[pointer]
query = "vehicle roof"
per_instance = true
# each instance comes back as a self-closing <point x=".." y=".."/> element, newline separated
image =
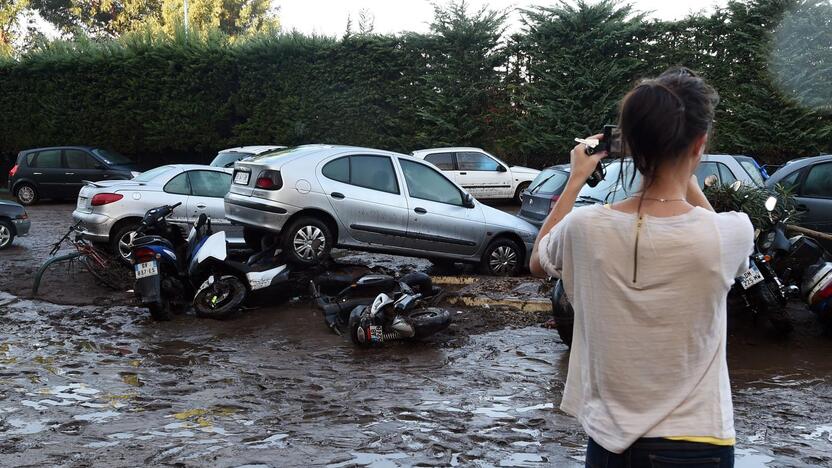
<point x="796" y="164"/>
<point x="82" y="147"/>
<point x="449" y="148"/>
<point x="319" y="150"/>
<point x="254" y="149"/>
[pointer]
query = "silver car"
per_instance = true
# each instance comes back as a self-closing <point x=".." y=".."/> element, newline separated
<point x="321" y="196"/>
<point x="111" y="210"/>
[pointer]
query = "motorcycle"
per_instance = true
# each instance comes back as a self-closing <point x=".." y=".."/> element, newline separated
<point x="396" y="312"/>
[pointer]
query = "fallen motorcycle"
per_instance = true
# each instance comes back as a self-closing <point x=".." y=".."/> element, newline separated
<point x="396" y="310"/>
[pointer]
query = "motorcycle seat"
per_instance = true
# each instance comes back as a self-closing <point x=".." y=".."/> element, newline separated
<point x="148" y="240"/>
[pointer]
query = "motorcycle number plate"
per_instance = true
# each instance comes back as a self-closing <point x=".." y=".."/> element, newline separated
<point x="146" y="269"/>
<point x="376" y="334"/>
<point x="241" y="178"/>
<point x="751" y="277"/>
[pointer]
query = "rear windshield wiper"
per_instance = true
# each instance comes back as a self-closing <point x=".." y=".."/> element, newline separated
<point x="534" y="189"/>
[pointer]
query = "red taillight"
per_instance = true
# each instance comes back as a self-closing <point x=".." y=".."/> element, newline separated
<point x="105" y="198"/>
<point x="554" y="200"/>
<point x="269" y="180"/>
<point x="143" y="254"/>
<point x="13" y="171"/>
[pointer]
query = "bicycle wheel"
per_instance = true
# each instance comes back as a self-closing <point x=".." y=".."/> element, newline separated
<point x="105" y="272"/>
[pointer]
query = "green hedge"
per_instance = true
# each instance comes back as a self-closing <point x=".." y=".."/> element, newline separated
<point x="525" y="98"/>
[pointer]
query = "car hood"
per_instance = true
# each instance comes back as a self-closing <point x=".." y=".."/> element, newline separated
<point x="524" y="170"/>
<point x="497" y="218"/>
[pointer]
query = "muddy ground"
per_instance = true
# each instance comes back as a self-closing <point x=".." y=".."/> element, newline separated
<point x="87" y="379"/>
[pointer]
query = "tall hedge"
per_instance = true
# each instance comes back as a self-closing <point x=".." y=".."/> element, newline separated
<point x="525" y="97"/>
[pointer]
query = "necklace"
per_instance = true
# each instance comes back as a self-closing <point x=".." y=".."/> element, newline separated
<point x="661" y="200"/>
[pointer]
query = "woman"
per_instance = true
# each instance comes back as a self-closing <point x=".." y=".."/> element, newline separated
<point x="648" y="279"/>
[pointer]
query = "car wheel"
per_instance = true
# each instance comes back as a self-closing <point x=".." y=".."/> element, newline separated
<point x="26" y="194"/>
<point x="307" y="241"/>
<point x="518" y="195"/>
<point x="502" y="257"/>
<point x="253" y="238"/>
<point x="120" y="243"/>
<point x="6" y="234"/>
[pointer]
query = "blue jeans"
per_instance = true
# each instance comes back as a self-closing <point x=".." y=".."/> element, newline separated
<point x="661" y="453"/>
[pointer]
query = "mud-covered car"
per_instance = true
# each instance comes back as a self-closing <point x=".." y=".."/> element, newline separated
<point x="14" y="222"/>
<point x="315" y="197"/>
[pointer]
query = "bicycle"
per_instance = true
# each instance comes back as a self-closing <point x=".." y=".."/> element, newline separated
<point x="105" y="269"/>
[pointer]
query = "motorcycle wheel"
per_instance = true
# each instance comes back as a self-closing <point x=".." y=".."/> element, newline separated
<point x="428" y="321"/>
<point x="221" y="299"/>
<point x="563" y="314"/>
<point x="772" y="309"/>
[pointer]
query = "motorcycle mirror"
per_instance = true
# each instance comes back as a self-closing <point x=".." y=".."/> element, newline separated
<point x="736" y="185"/>
<point x="771" y="203"/>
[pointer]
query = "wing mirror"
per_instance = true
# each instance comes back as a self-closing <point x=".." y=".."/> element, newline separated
<point x="736" y="186"/>
<point x="467" y="201"/>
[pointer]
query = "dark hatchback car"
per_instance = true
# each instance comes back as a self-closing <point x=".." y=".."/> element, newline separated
<point x="14" y="222"/>
<point x="59" y="172"/>
<point x="810" y="180"/>
<point x="542" y="193"/>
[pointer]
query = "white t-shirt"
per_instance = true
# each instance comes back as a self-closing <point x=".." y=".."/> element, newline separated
<point x="648" y="347"/>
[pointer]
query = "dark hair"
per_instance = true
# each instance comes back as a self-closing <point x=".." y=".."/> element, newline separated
<point x="661" y="117"/>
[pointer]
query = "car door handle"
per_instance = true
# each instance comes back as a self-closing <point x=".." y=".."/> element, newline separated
<point x="463" y="173"/>
<point x="37" y="173"/>
<point x="69" y="173"/>
<point x="338" y="195"/>
<point x="420" y="210"/>
<point x="201" y="206"/>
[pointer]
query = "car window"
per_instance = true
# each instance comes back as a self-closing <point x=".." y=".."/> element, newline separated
<point x="725" y="174"/>
<point x="818" y="182"/>
<point x="548" y="181"/>
<point x="111" y="157"/>
<point x="78" y="159"/>
<point x="373" y="172"/>
<point x="753" y="171"/>
<point x="30" y="158"/>
<point x="444" y="161"/>
<point x="427" y="184"/>
<point x="338" y="170"/>
<point x="469" y="161"/>
<point x="615" y="186"/>
<point x="228" y="158"/>
<point x="179" y="185"/>
<point x="147" y="176"/>
<point x="48" y="158"/>
<point x="209" y="183"/>
<point x="705" y="170"/>
<point x="790" y="182"/>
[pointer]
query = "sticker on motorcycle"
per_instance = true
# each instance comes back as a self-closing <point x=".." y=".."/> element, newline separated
<point x="146" y="269"/>
<point x="751" y="277"/>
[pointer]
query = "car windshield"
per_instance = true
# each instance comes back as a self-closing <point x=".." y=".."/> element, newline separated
<point x="549" y="180"/>
<point x="228" y="158"/>
<point x="611" y="189"/>
<point x="752" y="169"/>
<point x="152" y="174"/>
<point x="111" y="157"/>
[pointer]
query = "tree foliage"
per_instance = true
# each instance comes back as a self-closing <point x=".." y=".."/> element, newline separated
<point x="160" y="95"/>
<point x="10" y="12"/>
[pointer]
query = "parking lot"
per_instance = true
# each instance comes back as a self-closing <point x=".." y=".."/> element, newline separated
<point x="83" y="367"/>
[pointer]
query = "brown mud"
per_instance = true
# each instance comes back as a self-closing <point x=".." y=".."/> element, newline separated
<point x="87" y="379"/>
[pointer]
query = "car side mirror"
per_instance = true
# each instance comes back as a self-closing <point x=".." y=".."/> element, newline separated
<point x="501" y="168"/>
<point x="468" y="201"/>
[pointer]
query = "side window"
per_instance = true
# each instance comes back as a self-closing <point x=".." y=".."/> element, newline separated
<point x="790" y="181"/>
<point x="179" y="185"/>
<point x="818" y="183"/>
<point x="726" y="175"/>
<point x="48" y="159"/>
<point x="208" y="183"/>
<point x="444" y="161"/>
<point x="77" y="159"/>
<point x="30" y="158"/>
<point x="373" y="172"/>
<point x="469" y="161"/>
<point x="425" y="183"/>
<point x="338" y="170"/>
<point x="705" y="170"/>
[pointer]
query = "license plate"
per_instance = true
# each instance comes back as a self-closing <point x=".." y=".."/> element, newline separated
<point x="146" y="269"/>
<point x="751" y="277"/>
<point x="241" y="178"/>
<point x="82" y="202"/>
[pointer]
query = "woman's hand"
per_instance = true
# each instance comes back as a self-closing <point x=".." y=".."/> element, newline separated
<point x="695" y="196"/>
<point x="582" y="164"/>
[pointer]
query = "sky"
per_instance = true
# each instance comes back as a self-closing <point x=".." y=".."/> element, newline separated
<point x="329" y="17"/>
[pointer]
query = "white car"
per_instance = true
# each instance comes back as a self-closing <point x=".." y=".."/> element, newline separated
<point x="481" y="174"/>
<point x="110" y="210"/>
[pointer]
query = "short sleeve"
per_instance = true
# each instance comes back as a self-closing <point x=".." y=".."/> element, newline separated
<point x="550" y="249"/>
<point x="737" y="236"/>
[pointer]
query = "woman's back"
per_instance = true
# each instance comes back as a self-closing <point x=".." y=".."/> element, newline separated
<point x="648" y="352"/>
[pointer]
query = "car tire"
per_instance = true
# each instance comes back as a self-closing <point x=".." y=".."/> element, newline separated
<point x="253" y="238"/>
<point x="6" y="234"/>
<point x="518" y="194"/>
<point x="118" y="241"/>
<point x="299" y="239"/>
<point x="502" y="257"/>
<point x="26" y="194"/>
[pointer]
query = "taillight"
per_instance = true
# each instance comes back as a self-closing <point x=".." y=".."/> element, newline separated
<point x="143" y="254"/>
<point x="13" y="171"/>
<point x="554" y="200"/>
<point x="25" y="215"/>
<point x="105" y="198"/>
<point x="269" y="180"/>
